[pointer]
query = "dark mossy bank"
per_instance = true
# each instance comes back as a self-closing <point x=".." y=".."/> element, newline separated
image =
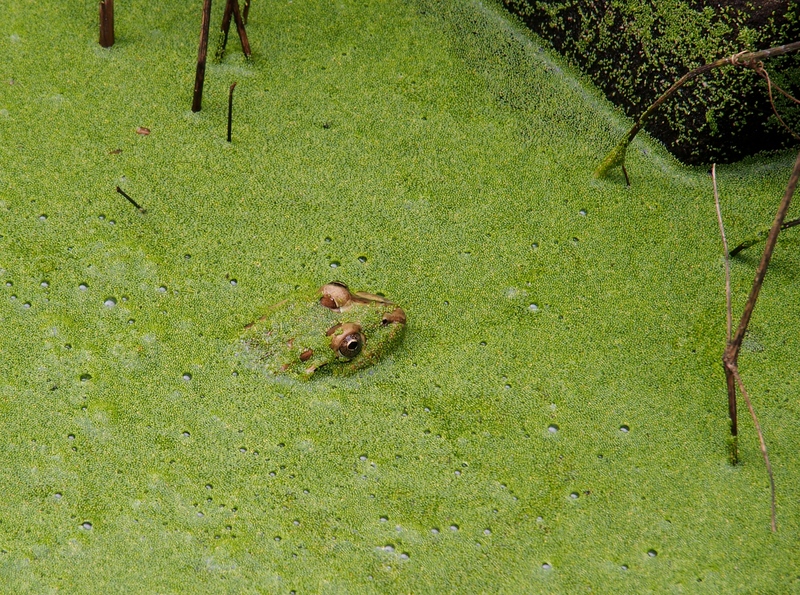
<point x="634" y="50"/>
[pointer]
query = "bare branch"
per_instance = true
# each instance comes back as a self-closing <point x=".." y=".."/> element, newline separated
<point x="616" y="156"/>
<point x="724" y="253"/>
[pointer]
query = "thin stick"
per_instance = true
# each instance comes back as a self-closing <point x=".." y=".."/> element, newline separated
<point x="733" y="349"/>
<point x="197" y="101"/>
<point x="225" y="28"/>
<point x="230" y="109"/>
<point x="245" y="11"/>
<point x="748" y="59"/>
<point x="106" y="23"/>
<point x="240" y="28"/>
<point x="773" y="522"/>
<point x="141" y="209"/>
<point x="729" y="380"/>
<point x="725" y="254"/>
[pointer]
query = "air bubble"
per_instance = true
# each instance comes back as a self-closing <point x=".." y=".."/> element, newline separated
<point x="26" y="305"/>
<point x="187" y="256"/>
<point x="71" y="437"/>
<point x="9" y="284"/>
<point x="131" y="321"/>
<point x="187" y="377"/>
<point x="335" y="264"/>
<point x="209" y="486"/>
<point x="362" y="458"/>
<point x="388" y="548"/>
<point x="101" y="217"/>
<point x="384" y="519"/>
<point x="110" y="302"/>
<point x="624" y="567"/>
<point x="328" y="240"/>
<point x="435" y="531"/>
<point x="624" y="428"/>
<point x="652" y="553"/>
<point x="552" y="428"/>
<point x="404" y="556"/>
<point x="575" y="240"/>
<point x="242" y="449"/>
<point x="86" y="377"/>
<point x="277" y="538"/>
<point x="457" y="473"/>
<point x="43" y="217"/>
<point x="533" y="307"/>
<point x="574" y="495"/>
<point x="454" y="527"/>
<point x="45" y="284"/>
<point x="362" y="259"/>
<point x="482" y="343"/>
<point x="87" y="525"/>
<point x="83" y="287"/>
<point x="186" y="434"/>
<point x="162" y="289"/>
<point x="296" y="523"/>
<point x="234" y="282"/>
<point x="487" y="531"/>
<point x="112" y="222"/>
<point x="546" y="566"/>
<point x="535" y="245"/>
<point x="582" y="212"/>
<point x="57" y="496"/>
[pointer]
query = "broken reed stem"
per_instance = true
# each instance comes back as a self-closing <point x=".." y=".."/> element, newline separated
<point x="245" y="11"/>
<point x="763" y="445"/>
<point x="140" y="208"/>
<point x="202" y="51"/>
<point x="230" y="109"/>
<point x="106" y="23"/>
<point x="748" y="59"/>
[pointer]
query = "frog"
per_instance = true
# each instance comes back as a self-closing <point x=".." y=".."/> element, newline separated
<point x="330" y="330"/>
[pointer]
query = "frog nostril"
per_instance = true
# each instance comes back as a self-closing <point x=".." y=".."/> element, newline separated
<point x="397" y="315"/>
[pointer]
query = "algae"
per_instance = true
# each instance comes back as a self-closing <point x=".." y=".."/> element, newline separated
<point x="555" y="419"/>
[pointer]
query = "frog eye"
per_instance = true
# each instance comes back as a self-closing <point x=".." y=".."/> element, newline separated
<point x="335" y="296"/>
<point x="351" y="346"/>
<point x="347" y="340"/>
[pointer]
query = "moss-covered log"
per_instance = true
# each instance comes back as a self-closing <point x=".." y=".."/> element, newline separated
<point x="635" y="50"/>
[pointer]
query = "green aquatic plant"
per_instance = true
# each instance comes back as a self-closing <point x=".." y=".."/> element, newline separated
<point x="553" y="420"/>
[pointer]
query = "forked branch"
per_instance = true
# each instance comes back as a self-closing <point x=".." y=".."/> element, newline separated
<point x="616" y="157"/>
<point x="730" y="358"/>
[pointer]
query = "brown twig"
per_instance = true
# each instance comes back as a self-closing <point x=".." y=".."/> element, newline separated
<point x="230" y="109"/>
<point x="725" y="254"/>
<point x="139" y="207"/>
<point x="616" y="156"/>
<point x="106" y="23"/>
<point x="245" y="11"/>
<point x="197" y="101"/>
<point x="232" y="10"/>
<point x="731" y="356"/>
<point x="240" y="28"/>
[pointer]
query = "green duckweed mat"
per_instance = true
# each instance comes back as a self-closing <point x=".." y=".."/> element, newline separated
<point x="555" y="420"/>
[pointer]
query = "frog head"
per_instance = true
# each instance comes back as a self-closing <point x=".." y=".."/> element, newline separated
<point x="333" y="330"/>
